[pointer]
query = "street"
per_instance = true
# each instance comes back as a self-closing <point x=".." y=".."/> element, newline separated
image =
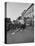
<point x="24" y="36"/>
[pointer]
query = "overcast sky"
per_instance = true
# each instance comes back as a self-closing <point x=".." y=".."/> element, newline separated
<point x="14" y="10"/>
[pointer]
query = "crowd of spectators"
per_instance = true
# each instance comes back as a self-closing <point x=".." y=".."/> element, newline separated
<point x="10" y="26"/>
<point x="13" y="25"/>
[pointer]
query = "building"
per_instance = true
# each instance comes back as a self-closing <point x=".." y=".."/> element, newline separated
<point x="29" y="15"/>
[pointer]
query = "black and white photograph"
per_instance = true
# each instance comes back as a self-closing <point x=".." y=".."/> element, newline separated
<point x="19" y="22"/>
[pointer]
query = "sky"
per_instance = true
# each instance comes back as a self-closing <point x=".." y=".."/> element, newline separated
<point x="14" y="10"/>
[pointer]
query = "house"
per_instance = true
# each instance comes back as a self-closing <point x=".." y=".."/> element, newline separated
<point x="29" y="15"/>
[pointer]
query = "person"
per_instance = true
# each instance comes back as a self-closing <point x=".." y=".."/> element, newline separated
<point x="23" y="26"/>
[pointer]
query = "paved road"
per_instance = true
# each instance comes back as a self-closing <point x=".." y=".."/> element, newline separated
<point x="26" y="35"/>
